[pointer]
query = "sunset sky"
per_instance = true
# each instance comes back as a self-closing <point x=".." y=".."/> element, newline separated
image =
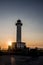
<point x="31" y="14"/>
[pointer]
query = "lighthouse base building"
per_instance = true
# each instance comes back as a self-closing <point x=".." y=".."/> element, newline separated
<point x="20" y="45"/>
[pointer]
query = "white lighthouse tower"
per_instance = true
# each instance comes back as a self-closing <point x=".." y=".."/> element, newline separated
<point x="19" y="44"/>
<point x="18" y="24"/>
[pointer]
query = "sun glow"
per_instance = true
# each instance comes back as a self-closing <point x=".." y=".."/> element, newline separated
<point x="9" y="43"/>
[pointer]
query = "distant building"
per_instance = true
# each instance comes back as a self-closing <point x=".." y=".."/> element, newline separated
<point x="0" y="47"/>
<point x="9" y="48"/>
<point x="18" y="44"/>
<point x="13" y="45"/>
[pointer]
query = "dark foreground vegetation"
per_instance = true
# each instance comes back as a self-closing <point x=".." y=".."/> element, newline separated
<point x="24" y="52"/>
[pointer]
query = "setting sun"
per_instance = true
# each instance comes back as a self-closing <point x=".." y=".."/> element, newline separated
<point x="9" y="43"/>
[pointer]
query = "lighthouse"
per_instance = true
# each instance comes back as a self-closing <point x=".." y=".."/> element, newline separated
<point x="18" y="33"/>
<point x="19" y="44"/>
